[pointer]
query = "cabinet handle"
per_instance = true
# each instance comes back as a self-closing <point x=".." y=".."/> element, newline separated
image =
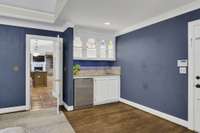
<point x="198" y="86"/>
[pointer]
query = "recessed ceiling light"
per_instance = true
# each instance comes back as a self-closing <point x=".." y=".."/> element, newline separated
<point x="107" y="23"/>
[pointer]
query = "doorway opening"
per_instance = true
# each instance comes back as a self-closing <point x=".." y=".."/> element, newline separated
<point x="43" y="72"/>
<point x="41" y="80"/>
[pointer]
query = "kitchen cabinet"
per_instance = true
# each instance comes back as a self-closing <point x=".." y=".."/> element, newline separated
<point x="91" y="44"/>
<point x="106" y="89"/>
<point x="39" y="79"/>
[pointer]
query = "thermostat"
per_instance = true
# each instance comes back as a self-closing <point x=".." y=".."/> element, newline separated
<point x="182" y="63"/>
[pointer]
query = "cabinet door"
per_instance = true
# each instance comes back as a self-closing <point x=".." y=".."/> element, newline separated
<point x="106" y="90"/>
<point x="111" y="50"/>
<point x="100" y="91"/>
<point x="113" y="89"/>
<point x="78" y="48"/>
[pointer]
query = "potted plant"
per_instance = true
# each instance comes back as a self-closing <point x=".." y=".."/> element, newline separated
<point x="76" y="69"/>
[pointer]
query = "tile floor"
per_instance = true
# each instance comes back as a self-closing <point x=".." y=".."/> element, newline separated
<point x="42" y="98"/>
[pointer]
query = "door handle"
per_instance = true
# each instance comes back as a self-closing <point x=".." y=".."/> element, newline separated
<point x="197" y="77"/>
<point x="197" y="85"/>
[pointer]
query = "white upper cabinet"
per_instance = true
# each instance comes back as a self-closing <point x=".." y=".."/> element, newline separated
<point x="78" y="47"/>
<point x="91" y="48"/>
<point x="90" y="44"/>
<point x="103" y="49"/>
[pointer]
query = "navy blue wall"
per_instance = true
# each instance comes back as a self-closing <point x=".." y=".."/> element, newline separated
<point x="148" y="58"/>
<point x="12" y="53"/>
<point x="68" y="63"/>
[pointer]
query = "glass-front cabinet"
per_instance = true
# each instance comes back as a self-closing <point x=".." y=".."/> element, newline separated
<point x="91" y="48"/>
<point x="93" y="44"/>
<point x="78" y="47"/>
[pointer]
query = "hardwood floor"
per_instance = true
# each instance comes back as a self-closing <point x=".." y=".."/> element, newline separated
<point x="119" y="118"/>
<point x="42" y="98"/>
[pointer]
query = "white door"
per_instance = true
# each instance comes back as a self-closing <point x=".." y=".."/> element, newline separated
<point x="196" y="36"/>
<point x="57" y="71"/>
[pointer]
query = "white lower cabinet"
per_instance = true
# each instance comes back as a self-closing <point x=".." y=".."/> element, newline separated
<point x="106" y="90"/>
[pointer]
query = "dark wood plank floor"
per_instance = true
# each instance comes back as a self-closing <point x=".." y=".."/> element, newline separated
<point x="119" y="118"/>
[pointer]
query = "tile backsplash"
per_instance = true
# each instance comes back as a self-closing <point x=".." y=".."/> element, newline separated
<point x="98" y="71"/>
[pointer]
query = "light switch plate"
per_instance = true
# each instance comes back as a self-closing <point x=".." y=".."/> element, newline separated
<point x="182" y="70"/>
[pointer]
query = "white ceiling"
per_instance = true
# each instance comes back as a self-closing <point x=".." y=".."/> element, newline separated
<point x="32" y="10"/>
<point x="93" y="13"/>
<point x="120" y="13"/>
<point x="39" y="5"/>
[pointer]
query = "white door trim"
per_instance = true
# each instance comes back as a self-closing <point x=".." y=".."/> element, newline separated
<point x="191" y="97"/>
<point x="28" y="61"/>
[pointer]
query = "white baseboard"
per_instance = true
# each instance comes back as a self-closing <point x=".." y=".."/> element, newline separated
<point x="67" y="107"/>
<point x="156" y="113"/>
<point x="12" y="109"/>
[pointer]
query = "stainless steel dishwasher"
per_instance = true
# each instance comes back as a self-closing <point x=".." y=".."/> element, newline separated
<point x="83" y="92"/>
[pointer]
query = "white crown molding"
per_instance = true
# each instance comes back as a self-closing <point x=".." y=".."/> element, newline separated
<point x="29" y="24"/>
<point x="27" y="14"/>
<point x="179" y="11"/>
<point x="21" y="17"/>
<point x="59" y="7"/>
<point x="35" y="25"/>
<point x="33" y="15"/>
<point x="67" y="25"/>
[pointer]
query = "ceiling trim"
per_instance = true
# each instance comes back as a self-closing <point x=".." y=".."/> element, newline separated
<point x="33" y="15"/>
<point x="22" y="13"/>
<point x="59" y="7"/>
<point x="35" y="25"/>
<point x="28" y="24"/>
<point x="173" y="13"/>
<point x="21" y="17"/>
<point x="67" y="25"/>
